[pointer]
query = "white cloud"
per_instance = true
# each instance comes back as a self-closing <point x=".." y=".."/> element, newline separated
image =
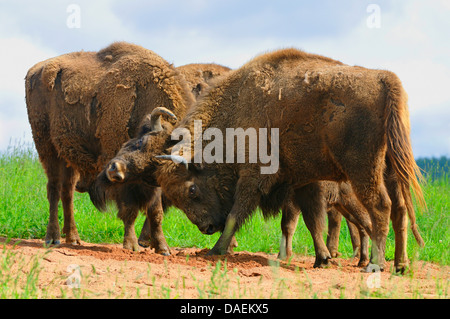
<point x="20" y="55"/>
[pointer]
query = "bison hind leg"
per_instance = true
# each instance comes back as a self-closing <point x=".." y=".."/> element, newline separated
<point x="52" y="166"/>
<point x="70" y="177"/>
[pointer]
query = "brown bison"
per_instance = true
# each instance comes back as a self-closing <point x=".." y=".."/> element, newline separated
<point x="198" y="77"/>
<point x="327" y="121"/>
<point x="122" y="169"/>
<point x="82" y="107"/>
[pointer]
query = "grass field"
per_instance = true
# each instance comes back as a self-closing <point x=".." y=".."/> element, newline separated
<point x="24" y="214"/>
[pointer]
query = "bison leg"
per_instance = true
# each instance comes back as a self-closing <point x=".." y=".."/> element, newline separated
<point x="355" y="238"/>
<point x="144" y="237"/>
<point x="334" y="227"/>
<point x="312" y="204"/>
<point x="378" y="204"/>
<point x="358" y="221"/>
<point x="53" y="235"/>
<point x="399" y="224"/>
<point x="152" y="233"/>
<point x="246" y="199"/>
<point x="232" y="246"/>
<point x="128" y="216"/>
<point x="68" y="187"/>
<point x="364" y="248"/>
<point x="289" y="220"/>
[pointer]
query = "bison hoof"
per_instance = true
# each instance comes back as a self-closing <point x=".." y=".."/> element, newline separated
<point x="363" y="263"/>
<point x="162" y="250"/>
<point x="371" y="268"/>
<point x="76" y="241"/>
<point x="49" y="242"/>
<point x="144" y="243"/>
<point x="400" y="269"/>
<point x="335" y="254"/>
<point x="321" y="262"/>
<point x="216" y="252"/>
<point x="131" y="246"/>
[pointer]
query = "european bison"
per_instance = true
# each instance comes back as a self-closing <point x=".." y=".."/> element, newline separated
<point x="122" y="169"/>
<point x="335" y="122"/>
<point x="136" y="194"/>
<point x="82" y="107"/>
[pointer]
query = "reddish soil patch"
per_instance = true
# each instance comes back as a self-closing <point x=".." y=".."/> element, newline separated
<point x="109" y="271"/>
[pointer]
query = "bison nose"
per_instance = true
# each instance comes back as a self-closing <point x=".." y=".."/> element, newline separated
<point x="116" y="171"/>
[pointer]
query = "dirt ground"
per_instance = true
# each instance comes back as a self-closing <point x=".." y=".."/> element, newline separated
<point x="109" y="271"/>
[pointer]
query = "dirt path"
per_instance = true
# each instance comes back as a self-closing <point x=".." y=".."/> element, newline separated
<point x="108" y="271"/>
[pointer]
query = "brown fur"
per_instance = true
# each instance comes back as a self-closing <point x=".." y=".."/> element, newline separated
<point x="138" y="189"/>
<point x="336" y="123"/>
<point x="83" y="106"/>
<point x="200" y="76"/>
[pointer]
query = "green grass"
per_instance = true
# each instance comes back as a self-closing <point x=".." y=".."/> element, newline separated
<point x="24" y="214"/>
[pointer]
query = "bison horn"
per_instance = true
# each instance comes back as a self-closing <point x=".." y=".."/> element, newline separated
<point x="155" y="118"/>
<point x="177" y="159"/>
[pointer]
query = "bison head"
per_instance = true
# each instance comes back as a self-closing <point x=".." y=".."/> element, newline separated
<point x="204" y="193"/>
<point x="134" y="163"/>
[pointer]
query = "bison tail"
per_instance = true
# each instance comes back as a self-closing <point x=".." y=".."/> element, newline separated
<point x="412" y="217"/>
<point x="399" y="147"/>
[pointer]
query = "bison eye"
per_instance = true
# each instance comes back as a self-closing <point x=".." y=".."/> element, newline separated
<point x="138" y="145"/>
<point x="192" y="191"/>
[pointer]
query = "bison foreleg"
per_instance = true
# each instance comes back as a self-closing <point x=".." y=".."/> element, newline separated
<point x="334" y="227"/>
<point x="221" y="247"/>
<point x="128" y="216"/>
<point x="289" y="220"/>
<point x="152" y="234"/>
<point x="246" y="199"/>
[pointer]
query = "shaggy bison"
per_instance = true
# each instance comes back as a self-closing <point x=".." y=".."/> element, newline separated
<point x="122" y="169"/>
<point x="136" y="192"/>
<point x="327" y="121"/>
<point x="82" y="107"/>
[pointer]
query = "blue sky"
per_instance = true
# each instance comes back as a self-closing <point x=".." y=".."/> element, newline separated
<point x="412" y="40"/>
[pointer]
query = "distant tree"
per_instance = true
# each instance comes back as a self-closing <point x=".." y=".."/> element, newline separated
<point x="434" y="168"/>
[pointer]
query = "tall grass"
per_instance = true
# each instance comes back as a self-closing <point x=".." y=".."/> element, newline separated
<point x="24" y="214"/>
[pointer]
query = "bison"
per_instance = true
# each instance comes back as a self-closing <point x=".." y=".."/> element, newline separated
<point x="123" y="170"/>
<point x="335" y="122"/>
<point x="82" y="107"/>
<point x="133" y="194"/>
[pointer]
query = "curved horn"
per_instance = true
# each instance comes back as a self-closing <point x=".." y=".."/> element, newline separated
<point x="177" y="159"/>
<point x="155" y="118"/>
